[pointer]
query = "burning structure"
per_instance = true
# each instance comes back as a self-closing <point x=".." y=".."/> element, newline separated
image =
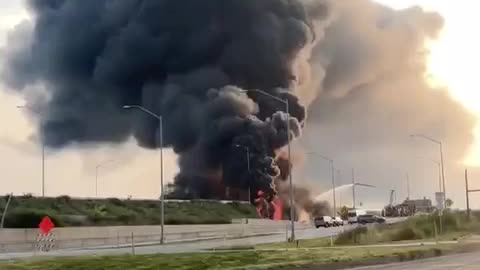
<point x="198" y="64"/>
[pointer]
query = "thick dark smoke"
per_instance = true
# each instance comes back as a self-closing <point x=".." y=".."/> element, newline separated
<point x="193" y="62"/>
<point x="359" y="66"/>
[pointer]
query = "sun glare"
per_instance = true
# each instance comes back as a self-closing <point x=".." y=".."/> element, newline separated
<point x="453" y="61"/>
<point x="454" y="56"/>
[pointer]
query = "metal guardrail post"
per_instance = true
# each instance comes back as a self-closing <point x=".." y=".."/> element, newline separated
<point x="133" y="244"/>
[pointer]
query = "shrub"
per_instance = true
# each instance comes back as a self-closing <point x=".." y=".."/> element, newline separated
<point x="351" y="237"/>
<point x="116" y="202"/>
<point x="405" y="234"/>
<point x="437" y="252"/>
<point x="127" y="219"/>
<point x="63" y="199"/>
<point x="28" y="219"/>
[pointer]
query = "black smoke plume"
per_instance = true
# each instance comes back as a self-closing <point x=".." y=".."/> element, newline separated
<point x="194" y="62"/>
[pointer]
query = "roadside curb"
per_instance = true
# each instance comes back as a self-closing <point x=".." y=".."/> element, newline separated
<point x="173" y="242"/>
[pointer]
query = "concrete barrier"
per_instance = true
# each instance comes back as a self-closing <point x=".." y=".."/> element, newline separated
<point x="22" y="240"/>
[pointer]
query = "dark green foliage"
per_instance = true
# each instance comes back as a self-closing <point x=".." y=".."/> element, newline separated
<point x="26" y="218"/>
<point x="405" y="234"/>
<point x="351" y="237"/>
<point x="106" y="212"/>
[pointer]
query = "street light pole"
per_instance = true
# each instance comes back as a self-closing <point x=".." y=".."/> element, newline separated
<point x="292" y="203"/>
<point x="43" y="155"/>
<point x="290" y="177"/>
<point x="439" y="171"/>
<point x="443" y="176"/>
<point x="248" y="169"/>
<point x="441" y="163"/>
<point x="43" y="169"/>
<point x="332" y="168"/>
<point x="162" y="193"/>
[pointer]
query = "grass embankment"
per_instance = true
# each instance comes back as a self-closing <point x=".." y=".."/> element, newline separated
<point x="27" y="211"/>
<point x="418" y="228"/>
<point x="311" y="253"/>
<point x="454" y="225"/>
<point x="291" y="259"/>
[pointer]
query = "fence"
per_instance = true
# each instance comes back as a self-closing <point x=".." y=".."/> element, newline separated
<point x="24" y="240"/>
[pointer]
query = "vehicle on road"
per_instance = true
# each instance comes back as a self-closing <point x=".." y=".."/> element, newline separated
<point x="354" y="213"/>
<point x="323" y="221"/>
<point x="338" y="221"/>
<point x="365" y="219"/>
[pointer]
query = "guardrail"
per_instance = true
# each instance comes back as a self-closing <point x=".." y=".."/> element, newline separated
<point x="24" y="240"/>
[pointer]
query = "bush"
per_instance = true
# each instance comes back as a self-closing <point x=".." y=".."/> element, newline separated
<point x="64" y="199"/>
<point x="127" y="219"/>
<point x="405" y="234"/>
<point x="116" y="202"/>
<point x="28" y="219"/>
<point x="351" y="237"/>
<point x="123" y="212"/>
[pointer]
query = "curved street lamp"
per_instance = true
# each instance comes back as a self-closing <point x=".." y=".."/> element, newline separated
<point x="160" y="134"/>
<point x="332" y="175"/>
<point x="441" y="161"/>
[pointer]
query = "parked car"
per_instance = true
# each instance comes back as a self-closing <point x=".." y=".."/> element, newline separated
<point x="338" y="221"/>
<point x="365" y="219"/>
<point x="323" y="221"/>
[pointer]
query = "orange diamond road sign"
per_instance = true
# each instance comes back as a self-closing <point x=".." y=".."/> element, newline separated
<point x="46" y="225"/>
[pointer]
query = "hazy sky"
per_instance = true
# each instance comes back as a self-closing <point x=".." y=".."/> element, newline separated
<point x="136" y="171"/>
<point x="454" y="57"/>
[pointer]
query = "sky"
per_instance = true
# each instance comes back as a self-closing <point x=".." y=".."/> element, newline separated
<point x="135" y="171"/>
<point x="456" y="47"/>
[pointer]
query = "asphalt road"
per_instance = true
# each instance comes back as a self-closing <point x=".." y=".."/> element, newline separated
<point x="180" y="247"/>
<point x="466" y="261"/>
<point x="190" y="247"/>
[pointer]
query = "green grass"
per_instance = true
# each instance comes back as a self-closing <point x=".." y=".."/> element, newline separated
<point x="419" y="228"/>
<point x="229" y="260"/>
<point x="26" y="212"/>
<point x="454" y="225"/>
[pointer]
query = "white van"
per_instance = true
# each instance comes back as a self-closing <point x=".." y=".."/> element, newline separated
<point x="323" y="221"/>
<point x="354" y="213"/>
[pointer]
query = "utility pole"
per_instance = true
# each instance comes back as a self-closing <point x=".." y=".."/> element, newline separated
<point x="467" y="195"/>
<point x="467" y="192"/>
<point x="443" y="177"/>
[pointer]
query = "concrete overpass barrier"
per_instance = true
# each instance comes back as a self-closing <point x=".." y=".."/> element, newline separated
<point x="23" y="240"/>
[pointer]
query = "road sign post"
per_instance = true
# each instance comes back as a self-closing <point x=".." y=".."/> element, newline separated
<point x="45" y="239"/>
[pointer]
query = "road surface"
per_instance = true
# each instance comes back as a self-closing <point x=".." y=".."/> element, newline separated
<point x="466" y="261"/>
<point x="180" y="247"/>
<point x="198" y="246"/>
